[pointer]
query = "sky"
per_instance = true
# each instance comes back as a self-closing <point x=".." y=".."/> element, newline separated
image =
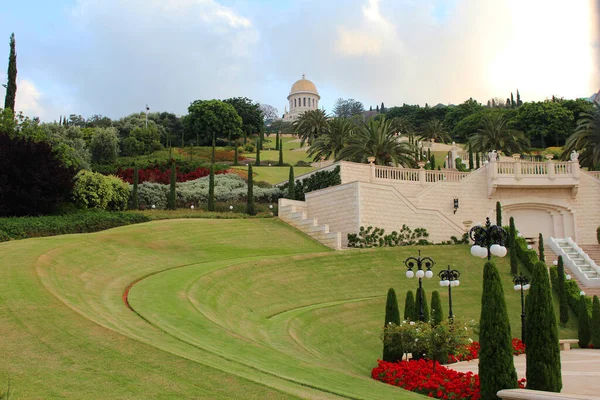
<point x="112" y="57"/>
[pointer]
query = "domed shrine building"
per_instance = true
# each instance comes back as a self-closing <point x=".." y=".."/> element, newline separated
<point x="303" y="97"/>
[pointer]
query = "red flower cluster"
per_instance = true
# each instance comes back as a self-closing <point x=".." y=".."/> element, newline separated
<point x="164" y="177"/>
<point x="419" y="376"/>
<point x="472" y="351"/>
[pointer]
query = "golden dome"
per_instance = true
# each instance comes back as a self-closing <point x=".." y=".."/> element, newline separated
<point x="304" y="85"/>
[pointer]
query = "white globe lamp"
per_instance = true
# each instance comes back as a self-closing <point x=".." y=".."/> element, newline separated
<point x="410" y="274"/>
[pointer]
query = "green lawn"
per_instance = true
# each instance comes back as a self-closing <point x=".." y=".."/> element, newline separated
<point x="220" y="309"/>
<point x="275" y="174"/>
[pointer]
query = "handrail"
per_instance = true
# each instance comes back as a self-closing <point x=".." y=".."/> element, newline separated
<point x="397" y="174"/>
<point x="559" y="251"/>
<point x="595" y="174"/>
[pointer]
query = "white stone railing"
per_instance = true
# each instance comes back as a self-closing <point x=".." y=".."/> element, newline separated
<point x="397" y="174"/>
<point x="525" y="394"/>
<point x="533" y="168"/>
<point x="421" y="175"/>
<point x="449" y="176"/>
<point x="595" y="174"/>
<point x="573" y="267"/>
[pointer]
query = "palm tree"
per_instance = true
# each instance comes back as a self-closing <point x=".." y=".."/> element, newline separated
<point x="310" y="125"/>
<point x="435" y="129"/>
<point x="335" y="138"/>
<point x="375" y="138"/>
<point x="586" y="139"/>
<point x="495" y="134"/>
<point x="404" y="127"/>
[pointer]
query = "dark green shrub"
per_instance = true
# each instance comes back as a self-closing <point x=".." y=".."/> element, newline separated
<point x="172" y="199"/>
<point x="94" y="190"/>
<point x="583" y="333"/>
<point x="375" y="237"/>
<point x="572" y="291"/>
<point x="560" y="289"/>
<point x="421" y="295"/>
<point x="595" y="325"/>
<point x="392" y="316"/>
<point x="498" y="213"/>
<point x="235" y="156"/>
<point x="211" y="187"/>
<point x="409" y="307"/>
<point x="512" y="234"/>
<point x="471" y="163"/>
<point x="542" y="256"/>
<point x="436" y="308"/>
<point x="543" y="351"/>
<point x="277" y="146"/>
<point x="135" y="204"/>
<point x="250" y="209"/>
<point x="302" y="163"/>
<point x="291" y="185"/>
<point x="459" y="165"/>
<point x="496" y="367"/>
<point x="317" y="181"/>
<point x="258" y="147"/>
<point x="280" y="156"/>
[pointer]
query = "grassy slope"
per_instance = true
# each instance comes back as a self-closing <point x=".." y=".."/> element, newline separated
<point x="235" y="321"/>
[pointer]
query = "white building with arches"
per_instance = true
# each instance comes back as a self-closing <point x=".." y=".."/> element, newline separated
<point x="303" y="97"/>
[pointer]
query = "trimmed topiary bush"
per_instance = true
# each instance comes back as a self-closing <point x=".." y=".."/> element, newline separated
<point x="280" y="156"/>
<point x="94" y="190"/>
<point x="258" y="146"/>
<point x="172" y="199"/>
<point x="135" y="204"/>
<point x="250" y="210"/>
<point x="583" y="333"/>
<point x="542" y="256"/>
<point x="562" y="294"/>
<point x="543" y="351"/>
<point x="291" y="185"/>
<point x="392" y="316"/>
<point x="595" y="325"/>
<point x="496" y="367"/>
<point x="211" y="189"/>
<point x="409" y="307"/>
<point x="437" y="313"/>
<point x="498" y="213"/>
<point x="512" y="234"/>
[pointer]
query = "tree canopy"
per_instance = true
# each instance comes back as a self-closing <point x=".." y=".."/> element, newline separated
<point x="212" y="118"/>
<point x="251" y="113"/>
<point x="347" y="108"/>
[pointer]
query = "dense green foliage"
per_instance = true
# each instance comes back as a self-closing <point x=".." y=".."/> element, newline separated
<point x="102" y="192"/>
<point x="583" y="332"/>
<point x="211" y="188"/>
<point x="561" y="290"/>
<point x="250" y="209"/>
<point x="498" y="213"/>
<point x="410" y="312"/>
<point x="496" y="368"/>
<point x="11" y="85"/>
<point x="251" y="114"/>
<point x="595" y="323"/>
<point x="291" y="185"/>
<point x="280" y="163"/>
<point x="135" y="203"/>
<point x="51" y="225"/>
<point x="436" y="308"/>
<point x="258" y="147"/>
<point x="421" y="296"/>
<point x="543" y="351"/>
<point x="376" y="237"/>
<point x="392" y="316"/>
<point x="541" y="254"/>
<point x="311" y="125"/>
<point x="33" y="179"/>
<point x="586" y="138"/>
<point x="333" y="140"/>
<point x="104" y="146"/>
<point x="572" y="291"/>
<point x="208" y="119"/>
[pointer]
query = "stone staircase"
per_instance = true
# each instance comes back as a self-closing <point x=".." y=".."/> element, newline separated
<point x="294" y="213"/>
<point x="582" y="265"/>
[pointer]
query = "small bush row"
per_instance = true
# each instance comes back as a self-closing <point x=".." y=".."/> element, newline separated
<point x="80" y="222"/>
<point x="164" y="177"/>
<point x="376" y="237"/>
<point x="319" y="180"/>
<point x="572" y="291"/>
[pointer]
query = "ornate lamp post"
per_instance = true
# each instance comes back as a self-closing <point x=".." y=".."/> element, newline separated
<point x="522" y="283"/>
<point x="488" y="240"/>
<point x="419" y="262"/>
<point x="449" y="278"/>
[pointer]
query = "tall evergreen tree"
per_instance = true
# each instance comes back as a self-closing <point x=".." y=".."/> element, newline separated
<point x="496" y="367"/>
<point x="250" y="210"/>
<point x="543" y="370"/>
<point x="382" y="108"/>
<point x="512" y="101"/>
<point x="11" y="84"/>
<point x="595" y="325"/>
<point x="409" y="307"/>
<point x="541" y="248"/>
<point x="392" y="316"/>
<point x="257" y="153"/>
<point x="211" y="188"/>
<point x="134" y="193"/>
<point x="370" y="108"/>
<point x="519" y="102"/>
<point x="214" y="146"/>
<point x="512" y="246"/>
<point x="471" y="159"/>
<point x="277" y="141"/>
<point x="235" y="155"/>
<point x="418" y="305"/>
<point x="498" y="214"/>
<point x="583" y="332"/>
<point x="291" y="185"/>
<point x="436" y="308"/>
<point x="562" y="294"/>
<point x="172" y="193"/>
<point x="280" y="155"/>
<point x="432" y="161"/>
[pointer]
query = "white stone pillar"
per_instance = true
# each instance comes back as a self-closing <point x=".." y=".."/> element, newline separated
<point x="421" y="164"/>
<point x="550" y="166"/>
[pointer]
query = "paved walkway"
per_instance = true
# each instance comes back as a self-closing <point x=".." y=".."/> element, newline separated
<point x="580" y="370"/>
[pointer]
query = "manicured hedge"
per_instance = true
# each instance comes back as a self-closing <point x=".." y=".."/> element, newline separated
<point x="81" y="222"/>
<point x="598" y="234"/>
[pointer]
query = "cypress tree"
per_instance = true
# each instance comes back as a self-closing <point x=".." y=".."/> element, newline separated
<point x="496" y="367"/>
<point x="512" y="245"/>
<point x="250" y="210"/>
<point x="436" y="308"/>
<point x="134" y="193"/>
<point x="211" y="188"/>
<point x="429" y="154"/>
<point x="172" y="194"/>
<point x="291" y="185"/>
<point x="432" y="161"/>
<point x="409" y="307"/>
<point x="11" y="85"/>
<point x="543" y="370"/>
<point x="498" y="214"/>
<point x="418" y="306"/>
<point x="512" y="100"/>
<point x="471" y="159"/>
<point x="214" y="145"/>
<point x="392" y="316"/>
<point x="280" y="155"/>
<point x="477" y="160"/>
<point x="382" y="108"/>
<point x="519" y="102"/>
<point x="595" y="325"/>
<point x="562" y="294"/>
<point x="277" y="141"/>
<point x="257" y="152"/>
<point x="235" y="155"/>
<point x="541" y="248"/>
<point x="583" y="333"/>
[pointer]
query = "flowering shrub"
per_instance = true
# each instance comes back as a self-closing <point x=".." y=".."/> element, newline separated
<point x="164" y="177"/>
<point x="472" y="351"/>
<point x="429" y="378"/>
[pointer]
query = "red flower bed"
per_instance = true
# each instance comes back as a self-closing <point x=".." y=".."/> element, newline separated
<point x="418" y="376"/>
<point x="473" y="351"/>
<point x="164" y="177"/>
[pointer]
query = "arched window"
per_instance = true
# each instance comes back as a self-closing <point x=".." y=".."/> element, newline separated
<point x="304" y="101"/>
<point x="313" y="102"/>
<point x="294" y="103"/>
